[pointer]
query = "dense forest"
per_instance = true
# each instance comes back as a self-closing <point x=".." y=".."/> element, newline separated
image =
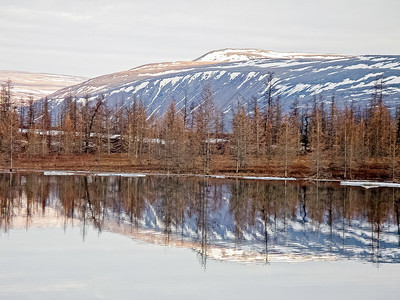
<point x="320" y="140"/>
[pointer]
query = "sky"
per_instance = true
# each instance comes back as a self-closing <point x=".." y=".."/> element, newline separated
<point x="97" y="37"/>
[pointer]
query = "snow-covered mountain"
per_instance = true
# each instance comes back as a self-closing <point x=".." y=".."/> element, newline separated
<point x="241" y="74"/>
<point x="37" y="85"/>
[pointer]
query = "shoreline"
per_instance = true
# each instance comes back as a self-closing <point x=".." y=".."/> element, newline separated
<point x="122" y="165"/>
<point x="367" y="184"/>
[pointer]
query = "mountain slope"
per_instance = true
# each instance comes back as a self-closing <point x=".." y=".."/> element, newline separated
<point x="296" y="76"/>
<point x="231" y="55"/>
<point x="37" y="85"/>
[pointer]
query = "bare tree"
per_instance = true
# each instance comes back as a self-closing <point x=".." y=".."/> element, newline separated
<point x="8" y="123"/>
<point x="241" y="137"/>
<point x="205" y="126"/>
<point x="89" y="116"/>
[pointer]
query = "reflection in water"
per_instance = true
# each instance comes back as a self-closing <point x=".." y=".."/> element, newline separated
<point x="223" y="219"/>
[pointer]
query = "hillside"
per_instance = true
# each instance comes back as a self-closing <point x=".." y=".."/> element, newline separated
<point x="37" y="84"/>
<point x="232" y="55"/>
<point x="241" y="74"/>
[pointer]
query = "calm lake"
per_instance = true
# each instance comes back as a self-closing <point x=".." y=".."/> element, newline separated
<point x="123" y="237"/>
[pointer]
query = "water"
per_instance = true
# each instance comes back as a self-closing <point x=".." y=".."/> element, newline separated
<point x="96" y="237"/>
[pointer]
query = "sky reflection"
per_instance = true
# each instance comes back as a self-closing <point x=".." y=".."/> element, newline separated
<point x="50" y="263"/>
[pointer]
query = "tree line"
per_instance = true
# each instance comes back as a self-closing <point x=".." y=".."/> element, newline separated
<point x="328" y="140"/>
<point x="319" y="140"/>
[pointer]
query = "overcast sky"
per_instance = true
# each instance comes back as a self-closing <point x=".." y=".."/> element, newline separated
<point x="97" y="37"/>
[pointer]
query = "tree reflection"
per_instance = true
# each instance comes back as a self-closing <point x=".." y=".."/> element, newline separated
<point x="396" y="207"/>
<point x="265" y="216"/>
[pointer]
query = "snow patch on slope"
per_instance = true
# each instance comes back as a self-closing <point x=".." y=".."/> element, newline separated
<point x="233" y="55"/>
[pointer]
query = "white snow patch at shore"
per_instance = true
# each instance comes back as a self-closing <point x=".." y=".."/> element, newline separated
<point x="85" y="173"/>
<point x="369" y="184"/>
<point x="120" y="174"/>
<point x="64" y="173"/>
<point x="268" y="178"/>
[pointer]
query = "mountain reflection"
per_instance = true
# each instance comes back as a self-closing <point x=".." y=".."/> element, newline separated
<point x="224" y="219"/>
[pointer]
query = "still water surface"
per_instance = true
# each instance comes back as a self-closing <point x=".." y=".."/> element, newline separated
<point x="179" y="237"/>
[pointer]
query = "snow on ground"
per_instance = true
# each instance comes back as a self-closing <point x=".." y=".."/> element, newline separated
<point x="369" y="184"/>
<point x="87" y="173"/>
<point x="360" y="183"/>
<point x="268" y="178"/>
<point x="233" y="55"/>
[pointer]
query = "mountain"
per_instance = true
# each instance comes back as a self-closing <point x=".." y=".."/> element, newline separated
<point x="241" y="75"/>
<point x="37" y="84"/>
<point x="232" y="55"/>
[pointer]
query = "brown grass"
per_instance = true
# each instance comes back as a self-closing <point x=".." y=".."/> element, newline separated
<point x="221" y="164"/>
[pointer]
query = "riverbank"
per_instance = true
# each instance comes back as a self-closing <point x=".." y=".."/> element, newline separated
<point x="367" y="184"/>
<point x="221" y="166"/>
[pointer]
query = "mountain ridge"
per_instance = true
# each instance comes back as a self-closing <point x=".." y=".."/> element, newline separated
<point x="37" y="85"/>
<point x="242" y="54"/>
<point x="348" y="78"/>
